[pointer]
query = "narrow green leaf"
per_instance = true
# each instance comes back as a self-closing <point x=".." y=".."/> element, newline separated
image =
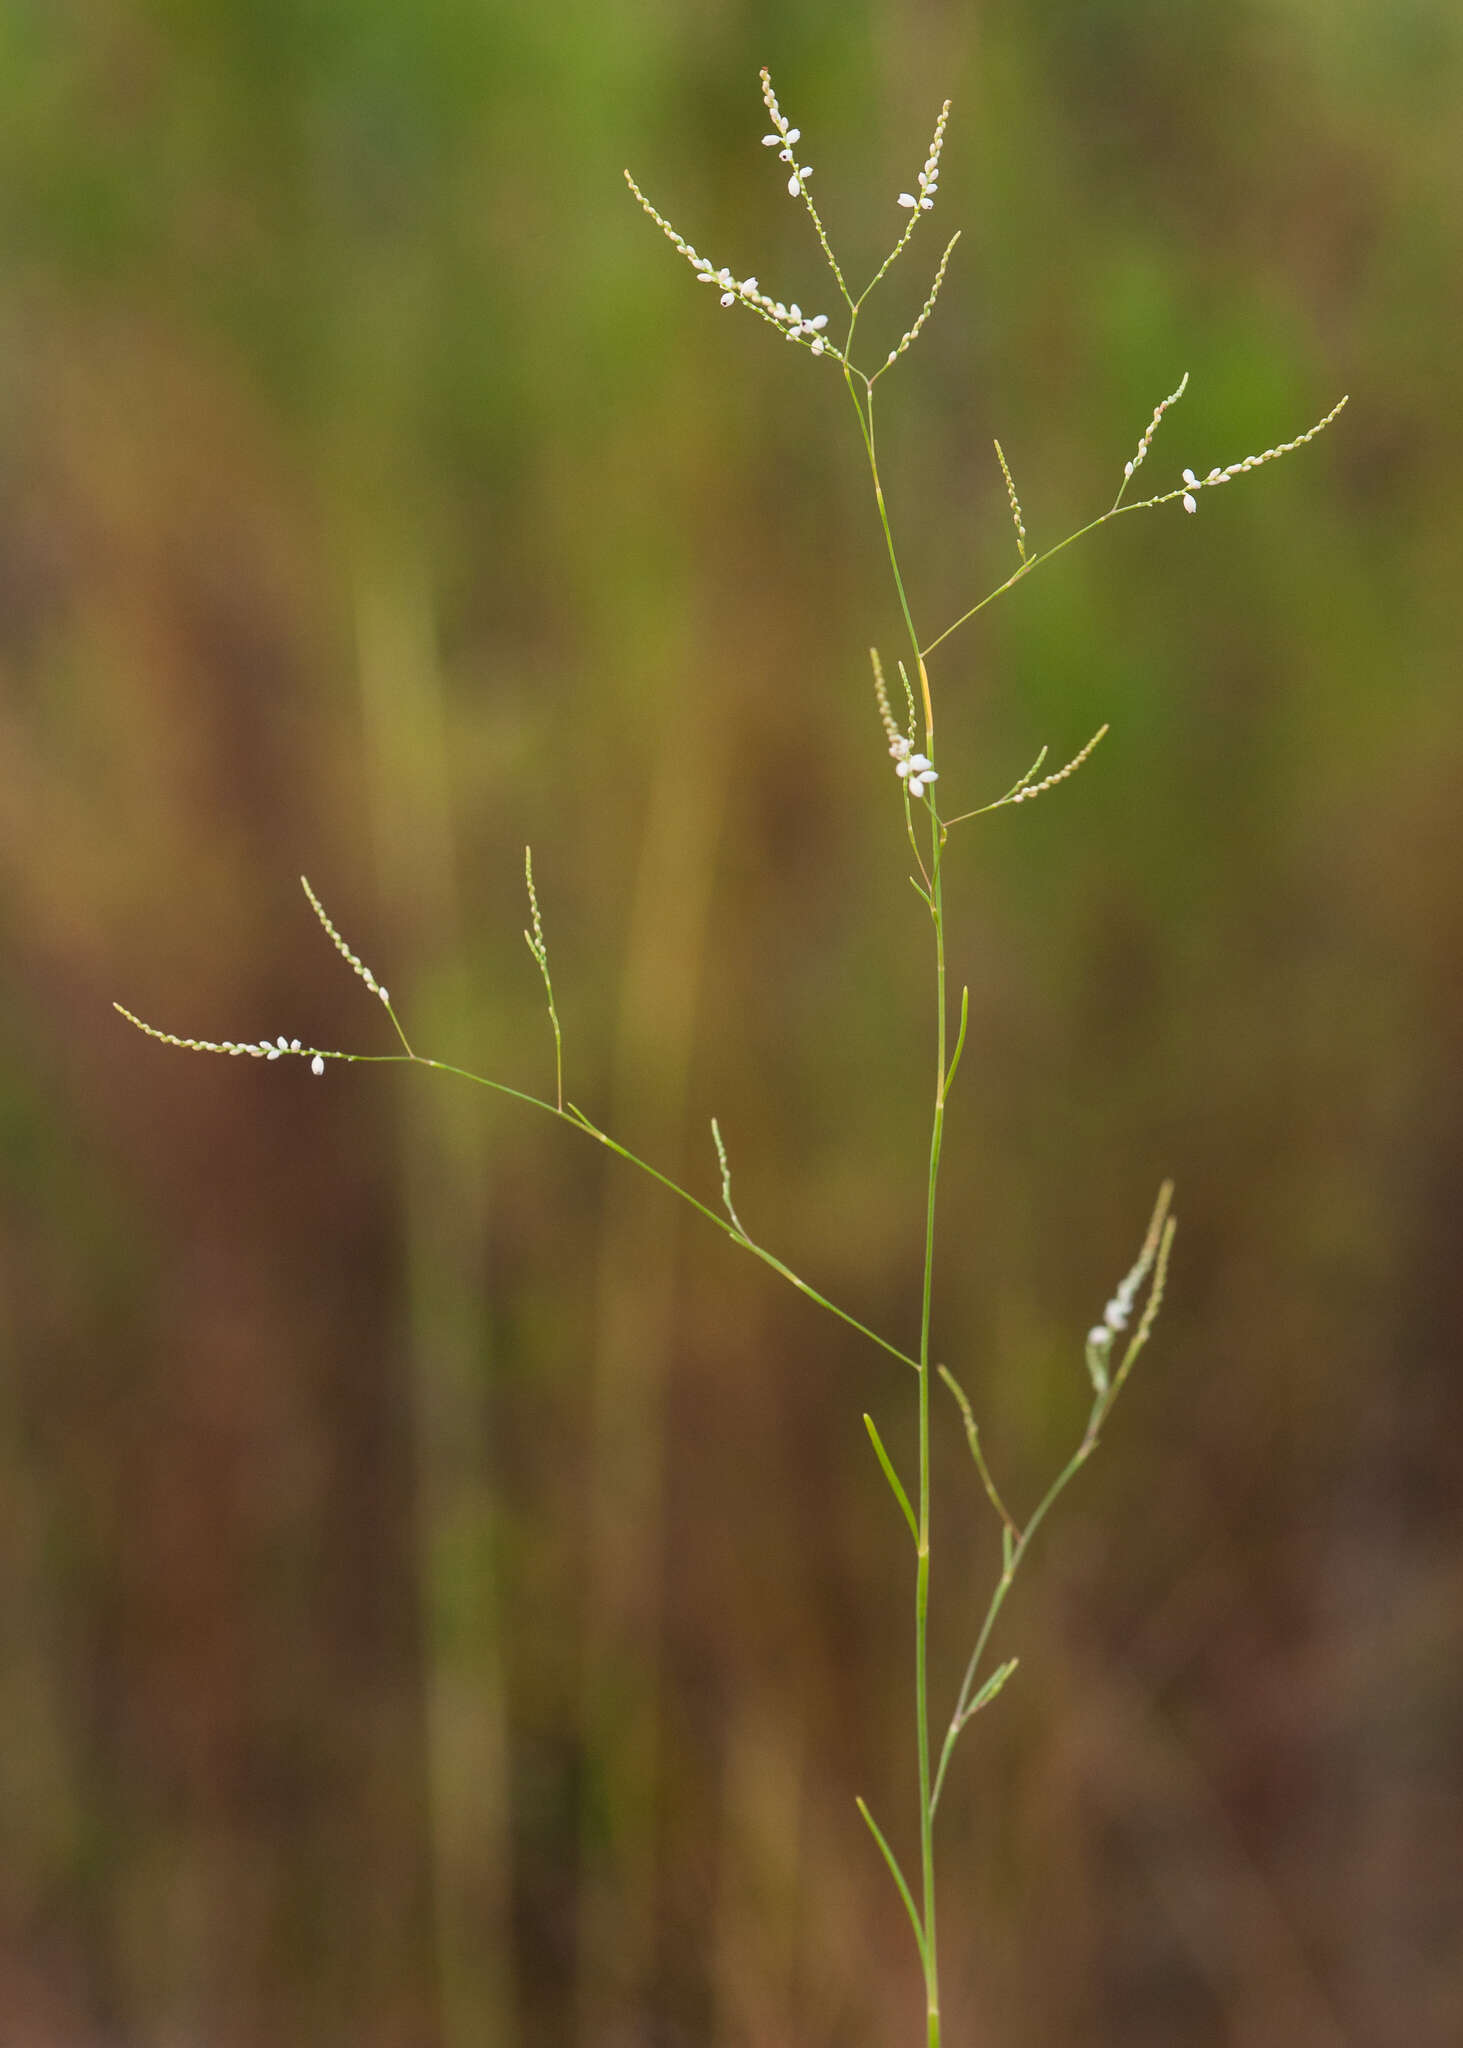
<point x="898" y="1875"/>
<point x="893" y="1478"/>
<point x="993" y="1685"/>
<point x="988" y="1691"/>
<point x="960" y="1039"/>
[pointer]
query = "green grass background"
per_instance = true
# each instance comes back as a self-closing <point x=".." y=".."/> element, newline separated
<point x="448" y="1597"/>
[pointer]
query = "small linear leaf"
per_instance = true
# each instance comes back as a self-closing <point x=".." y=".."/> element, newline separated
<point x="898" y="1875"/>
<point x="892" y="1476"/>
<point x="988" y="1691"/>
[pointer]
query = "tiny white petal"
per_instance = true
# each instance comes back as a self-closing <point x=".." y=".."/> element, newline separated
<point x="1214" y="476"/>
<point x="749" y="284"/>
<point x="273" y="1053"/>
<point x="1191" y="503"/>
<point x="728" y="298"/>
<point x="793" y="134"/>
<point x="906" y="199"/>
<point x="1189" y="477"/>
<point x="903" y="769"/>
<point x="1127" y="469"/>
<point x="793" y="186"/>
<point x="317" y="1065"/>
<point x="770" y="141"/>
<point x="383" y="995"/>
<point x="816" y="345"/>
<point x="794" y="311"/>
<point x="1099" y="1337"/>
<point x="786" y="155"/>
<point x="819" y="320"/>
<point x="283" y="1044"/>
<point x="926" y="204"/>
<point x="294" y="1045"/>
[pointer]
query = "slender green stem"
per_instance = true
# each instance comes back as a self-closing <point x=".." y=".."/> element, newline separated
<point x="1035" y="561"/>
<point x="578" y="1121"/>
<point x="863" y="406"/>
<point x="864" y="410"/>
<point x="922" y="1580"/>
<point x="1003" y="1586"/>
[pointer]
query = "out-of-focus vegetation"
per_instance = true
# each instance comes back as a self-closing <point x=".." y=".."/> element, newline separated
<point x="447" y="1598"/>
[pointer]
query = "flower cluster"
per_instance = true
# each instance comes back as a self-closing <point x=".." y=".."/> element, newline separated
<point x="913" y="769"/>
<point x="264" y="1049"/>
<point x="929" y="178"/>
<point x="359" y="966"/>
<point x="797" y="325"/>
<point x="1026" y="790"/>
<point x="784" y="141"/>
<point x="1119" y="1312"/>
<point x="789" y="320"/>
<point x="929" y="305"/>
<point x="1194" y="483"/>
<point x="1252" y="461"/>
<point x="1152" y="427"/>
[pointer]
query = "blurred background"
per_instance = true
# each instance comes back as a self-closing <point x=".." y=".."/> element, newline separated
<point x="447" y="1596"/>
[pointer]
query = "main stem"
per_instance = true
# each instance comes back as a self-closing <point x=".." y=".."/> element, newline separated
<point x="864" y="407"/>
<point x="922" y="1577"/>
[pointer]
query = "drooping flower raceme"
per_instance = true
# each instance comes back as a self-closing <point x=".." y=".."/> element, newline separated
<point x="791" y="321"/>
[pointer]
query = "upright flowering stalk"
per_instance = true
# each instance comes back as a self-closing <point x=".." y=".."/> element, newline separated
<point x="913" y="753"/>
<point x="1116" y="1339"/>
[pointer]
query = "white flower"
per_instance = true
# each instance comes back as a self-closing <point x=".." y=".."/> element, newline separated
<point x="1191" y="503"/>
<point x="914" y="770"/>
<point x="317" y="1065"/>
